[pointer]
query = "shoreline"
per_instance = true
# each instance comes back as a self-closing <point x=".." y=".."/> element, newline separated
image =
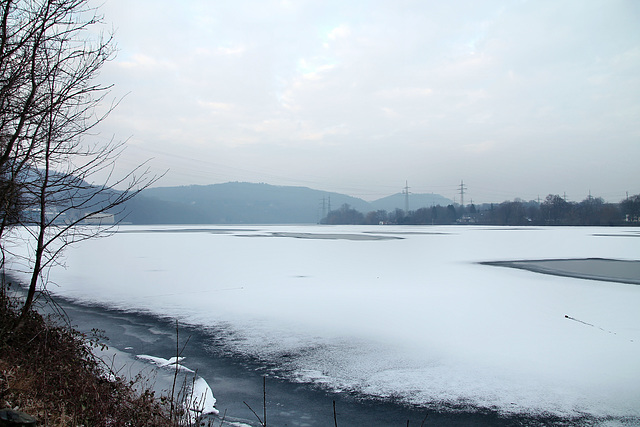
<point x="236" y="379"/>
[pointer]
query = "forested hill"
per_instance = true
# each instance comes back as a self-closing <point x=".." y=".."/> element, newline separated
<point x="251" y="203"/>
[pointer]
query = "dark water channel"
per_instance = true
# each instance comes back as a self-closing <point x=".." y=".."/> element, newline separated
<point x="236" y="379"/>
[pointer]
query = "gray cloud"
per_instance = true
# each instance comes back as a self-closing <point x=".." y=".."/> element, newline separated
<point x="517" y="98"/>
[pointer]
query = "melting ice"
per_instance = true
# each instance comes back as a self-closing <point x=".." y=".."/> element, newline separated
<point x="392" y="311"/>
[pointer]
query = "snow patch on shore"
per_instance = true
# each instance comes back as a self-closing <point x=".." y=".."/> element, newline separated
<point x="173" y="363"/>
<point x="198" y="396"/>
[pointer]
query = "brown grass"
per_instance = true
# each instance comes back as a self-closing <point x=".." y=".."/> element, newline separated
<point x="47" y="370"/>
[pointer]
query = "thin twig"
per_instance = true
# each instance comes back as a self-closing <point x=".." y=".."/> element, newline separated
<point x="264" y="399"/>
<point x="254" y="413"/>
<point x="175" y="373"/>
<point x="224" y="415"/>
<point x="425" y="419"/>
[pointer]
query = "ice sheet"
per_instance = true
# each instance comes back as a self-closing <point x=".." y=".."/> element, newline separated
<point x="415" y="317"/>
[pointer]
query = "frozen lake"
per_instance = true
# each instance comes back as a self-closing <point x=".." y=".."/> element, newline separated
<point x="403" y="312"/>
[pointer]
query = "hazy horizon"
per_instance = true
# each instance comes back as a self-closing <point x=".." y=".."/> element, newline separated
<point x="455" y="198"/>
<point x="516" y="98"/>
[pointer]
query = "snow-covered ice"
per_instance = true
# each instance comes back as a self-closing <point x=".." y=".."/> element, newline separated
<point x="409" y="313"/>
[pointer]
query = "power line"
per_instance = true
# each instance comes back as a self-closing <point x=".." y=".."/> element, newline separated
<point x="405" y="191"/>
<point x="462" y="188"/>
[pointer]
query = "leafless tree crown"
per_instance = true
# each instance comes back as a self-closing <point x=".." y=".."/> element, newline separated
<point x="51" y="52"/>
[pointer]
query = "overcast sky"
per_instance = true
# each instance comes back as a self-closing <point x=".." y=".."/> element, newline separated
<point x="516" y="98"/>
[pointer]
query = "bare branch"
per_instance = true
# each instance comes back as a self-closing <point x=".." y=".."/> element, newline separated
<point x="51" y="52"/>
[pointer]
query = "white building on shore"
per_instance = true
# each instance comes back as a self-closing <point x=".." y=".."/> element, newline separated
<point x="100" y="219"/>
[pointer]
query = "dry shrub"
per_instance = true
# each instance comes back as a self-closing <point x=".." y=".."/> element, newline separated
<point x="47" y="370"/>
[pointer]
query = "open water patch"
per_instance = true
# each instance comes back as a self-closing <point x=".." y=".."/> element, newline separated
<point x="236" y="378"/>
<point x="603" y="269"/>
<point x="636" y="234"/>
<point x="186" y="230"/>
<point x="410" y="233"/>
<point x="329" y="236"/>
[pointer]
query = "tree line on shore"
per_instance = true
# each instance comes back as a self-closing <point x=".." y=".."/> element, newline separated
<point x="554" y="210"/>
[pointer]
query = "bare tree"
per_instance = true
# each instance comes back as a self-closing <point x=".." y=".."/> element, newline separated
<point x="50" y="54"/>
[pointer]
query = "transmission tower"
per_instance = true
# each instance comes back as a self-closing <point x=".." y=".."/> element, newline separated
<point x="405" y="191"/>
<point x="462" y="188"/>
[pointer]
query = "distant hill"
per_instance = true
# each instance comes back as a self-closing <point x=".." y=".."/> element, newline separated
<point x="416" y="201"/>
<point x="251" y="203"/>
